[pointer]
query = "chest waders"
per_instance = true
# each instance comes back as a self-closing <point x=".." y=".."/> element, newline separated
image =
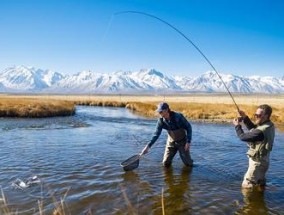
<point x="259" y="157"/>
<point x="177" y="136"/>
<point x="260" y="149"/>
<point x="175" y="143"/>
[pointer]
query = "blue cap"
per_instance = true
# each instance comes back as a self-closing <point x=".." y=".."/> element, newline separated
<point x="162" y="106"/>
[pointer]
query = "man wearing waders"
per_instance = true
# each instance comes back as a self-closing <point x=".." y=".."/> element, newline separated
<point x="179" y="135"/>
<point x="260" y="138"/>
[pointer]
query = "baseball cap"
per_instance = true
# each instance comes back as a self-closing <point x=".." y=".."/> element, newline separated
<point x="162" y="106"/>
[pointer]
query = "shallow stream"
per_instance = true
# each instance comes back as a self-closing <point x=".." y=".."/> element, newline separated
<point x="77" y="159"/>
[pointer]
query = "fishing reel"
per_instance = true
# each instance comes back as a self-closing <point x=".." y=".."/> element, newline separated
<point x="240" y="119"/>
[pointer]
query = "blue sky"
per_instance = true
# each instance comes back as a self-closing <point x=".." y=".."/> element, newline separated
<point x="238" y="37"/>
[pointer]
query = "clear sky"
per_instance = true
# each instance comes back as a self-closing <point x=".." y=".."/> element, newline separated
<point x="241" y="37"/>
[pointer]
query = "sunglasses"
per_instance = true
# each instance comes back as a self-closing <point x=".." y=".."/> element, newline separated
<point x="257" y="115"/>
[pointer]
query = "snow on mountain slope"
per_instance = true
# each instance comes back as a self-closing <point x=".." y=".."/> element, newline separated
<point x="23" y="78"/>
<point x="29" y="79"/>
<point x="155" y="79"/>
<point x="210" y="82"/>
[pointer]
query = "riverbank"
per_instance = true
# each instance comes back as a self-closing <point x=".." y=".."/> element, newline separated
<point x="217" y="108"/>
<point x="34" y="107"/>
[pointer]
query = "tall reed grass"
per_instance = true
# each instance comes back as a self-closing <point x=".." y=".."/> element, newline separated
<point x="17" y="107"/>
<point x="205" y="112"/>
<point x="60" y="207"/>
<point x="211" y="108"/>
<point x="102" y="103"/>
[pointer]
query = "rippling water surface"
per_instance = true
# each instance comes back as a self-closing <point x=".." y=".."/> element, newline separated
<point x="78" y="159"/>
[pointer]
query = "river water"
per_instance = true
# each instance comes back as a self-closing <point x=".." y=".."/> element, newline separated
<point x="77" y="160"/>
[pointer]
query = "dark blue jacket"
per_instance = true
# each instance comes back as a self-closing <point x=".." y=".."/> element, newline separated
<point x="177" y="121"/>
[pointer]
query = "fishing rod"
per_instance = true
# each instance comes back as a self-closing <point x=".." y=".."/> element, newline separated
<point x="189" y="40"/>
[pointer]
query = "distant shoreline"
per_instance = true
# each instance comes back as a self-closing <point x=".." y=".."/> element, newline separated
<point x="214" y="108"/>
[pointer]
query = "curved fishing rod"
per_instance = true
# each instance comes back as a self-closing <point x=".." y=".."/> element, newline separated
<point x="184" y="36"/>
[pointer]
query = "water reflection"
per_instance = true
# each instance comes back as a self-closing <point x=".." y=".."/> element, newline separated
<point x="176" y="190"/>
<point x="83" y="153"/>
<point x="135" y="193"/>
<point x="254" y="203"/>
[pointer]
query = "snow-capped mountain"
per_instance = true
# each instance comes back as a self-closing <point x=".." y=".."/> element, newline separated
<point x="211" y="82"/>
<point x="29" y="79"/>
<point x="155" y="79"/>
<point x="88" y="82"/>
<point x="23" y="78"/>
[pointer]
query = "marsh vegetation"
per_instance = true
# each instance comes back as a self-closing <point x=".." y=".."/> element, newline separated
<point x="35" y="107"/>
<point x="205" y="107"/>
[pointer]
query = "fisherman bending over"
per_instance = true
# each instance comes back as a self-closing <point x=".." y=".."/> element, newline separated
<point x="179" y="135"/>
<point x="260" y="138"/>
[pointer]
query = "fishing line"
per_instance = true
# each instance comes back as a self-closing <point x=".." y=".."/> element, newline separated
<point x="189" y="40"/>
<point x="107" y="29"/>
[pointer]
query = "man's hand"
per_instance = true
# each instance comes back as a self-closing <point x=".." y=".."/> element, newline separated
<point x="242" y="113"/>
<point x="187" y="146"/>
<point x="145" y="150"/>
<point x="236" y="122"/>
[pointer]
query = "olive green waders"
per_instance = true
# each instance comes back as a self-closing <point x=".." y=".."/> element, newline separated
<point x="175" y="143"/>
<point x="255" y="174"/>
<point x="258" y="154"/>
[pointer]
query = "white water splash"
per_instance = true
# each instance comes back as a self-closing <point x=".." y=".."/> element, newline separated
<point x="21" y="184"/>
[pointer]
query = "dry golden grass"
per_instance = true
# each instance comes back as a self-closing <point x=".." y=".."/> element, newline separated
<point x="4" y="208"/>
<point x="35" y="107"/>
<point x="101" y="103"/>
<point x="146" y="109"/>
<point x="60" y="207"/>
<point x="219" y="111"/>
<point x="275" y="100"/>
<point x="207" y="107"/>
<point x="206" y="112"/>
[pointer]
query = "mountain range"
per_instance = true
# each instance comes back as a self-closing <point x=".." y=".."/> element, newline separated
<point x="22" y="79"/>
